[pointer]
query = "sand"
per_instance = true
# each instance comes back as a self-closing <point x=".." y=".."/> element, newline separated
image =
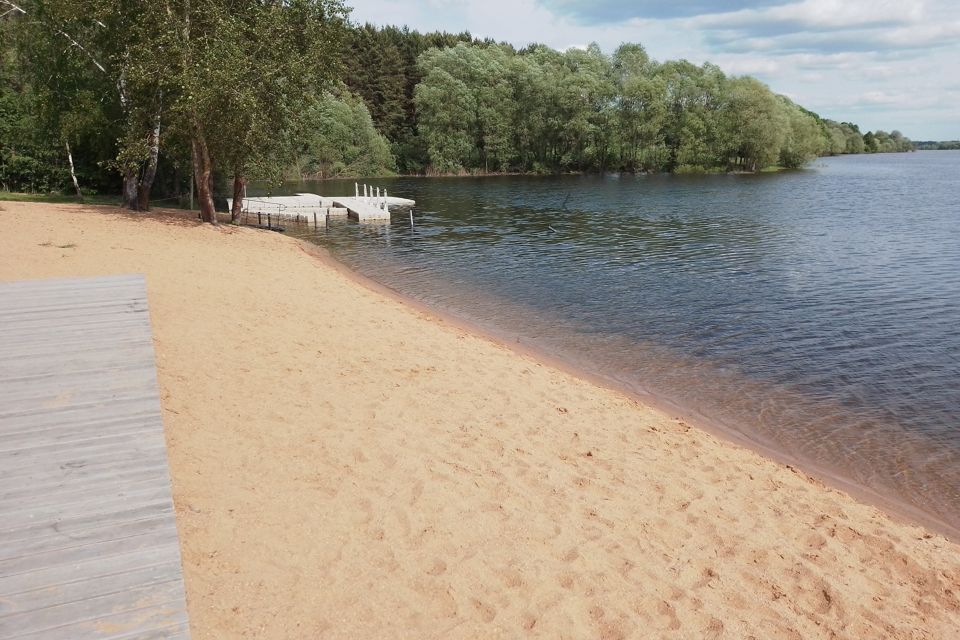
<point x="347" y="466"/>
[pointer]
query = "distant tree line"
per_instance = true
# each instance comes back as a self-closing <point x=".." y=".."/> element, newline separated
<point x="452" y="104"/>
<point x="943" y="145"/>
<point x="147" y="99"/>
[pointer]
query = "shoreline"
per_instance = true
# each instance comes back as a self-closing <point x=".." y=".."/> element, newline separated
<point x="347" y="463"/>
<point x="774" y="168"/>
<point x="899" y="509"/>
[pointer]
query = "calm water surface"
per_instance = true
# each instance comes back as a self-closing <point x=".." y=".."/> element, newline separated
<point x="815" y="312"/>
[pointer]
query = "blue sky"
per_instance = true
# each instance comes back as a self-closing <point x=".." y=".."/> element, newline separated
<point x="882" y="64"/>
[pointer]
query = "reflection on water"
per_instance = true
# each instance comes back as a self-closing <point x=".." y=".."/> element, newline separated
<point x="817" y="312"/>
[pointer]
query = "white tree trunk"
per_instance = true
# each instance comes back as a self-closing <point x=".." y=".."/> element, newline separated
<point x="73" y="174"/>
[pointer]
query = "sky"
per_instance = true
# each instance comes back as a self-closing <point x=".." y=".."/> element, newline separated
<point x="881" y="64"/>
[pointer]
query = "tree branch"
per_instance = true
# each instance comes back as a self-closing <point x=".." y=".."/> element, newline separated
<point x="66" y="35"/>
<point x="13" y="7"/>
<point x="80" y="46"/>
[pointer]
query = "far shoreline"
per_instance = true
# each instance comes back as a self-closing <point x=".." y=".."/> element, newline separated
<point x="552" y="174"/>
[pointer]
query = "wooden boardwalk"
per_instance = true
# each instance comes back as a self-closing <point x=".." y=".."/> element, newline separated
<point x="88" y="542"/>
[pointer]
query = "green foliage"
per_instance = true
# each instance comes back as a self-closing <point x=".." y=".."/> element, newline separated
<point x="883" y="142"/>
<point x="758" y="123"/>
<point x="469" y="106"/>
<point x="465" y="108"/>
<point x="37" y="76"/>
<point x="272" y="58"/>
<point x="933" y="145"/>
<point x="484" y="108"/>
<point x="804" y="138"/>
<point x="234" y="75"/>
<point x="641" y="109"/>
<point x="380" y="65"/>
<point x="339" y="140"/>
<point x="28" y="161"/>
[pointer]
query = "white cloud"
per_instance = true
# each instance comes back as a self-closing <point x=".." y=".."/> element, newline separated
<point x="748" y="66"/>
<point x="821" y="14"/>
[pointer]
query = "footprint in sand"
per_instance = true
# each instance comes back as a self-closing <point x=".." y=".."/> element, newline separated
<point x="668" y="611"/>
<point x="528" y="621"/>
<point x="487" y="613"/>
<point x="437" y="568"/>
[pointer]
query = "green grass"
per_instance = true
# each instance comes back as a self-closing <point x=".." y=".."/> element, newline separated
<point x="58" y="198"/>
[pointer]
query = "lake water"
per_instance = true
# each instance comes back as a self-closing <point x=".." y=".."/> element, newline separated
<point x="815" y="312"/>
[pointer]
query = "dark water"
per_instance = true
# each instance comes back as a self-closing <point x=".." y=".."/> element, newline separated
<point x="815" y="312"/>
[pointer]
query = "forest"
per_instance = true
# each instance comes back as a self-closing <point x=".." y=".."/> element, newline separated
<point x="933" y="145"/>
<point x="151" y="100"/>
<point x="450" y="104"/>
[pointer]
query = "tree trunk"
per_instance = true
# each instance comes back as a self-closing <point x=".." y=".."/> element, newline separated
<point x="203" y="171"/>
<point x="73" y="174"/>
<point x="146" y="181"/>
<point x="130" y="197"/>
<point x="239" y="184"/>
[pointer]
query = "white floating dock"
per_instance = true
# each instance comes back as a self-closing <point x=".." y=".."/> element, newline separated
<point x="371" y="206"/>
<point x="362" y="210"/>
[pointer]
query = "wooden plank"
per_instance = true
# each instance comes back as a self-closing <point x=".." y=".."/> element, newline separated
<point x="78" y="590"/>
<point x="88" y="540"/>
<point x="93" y="478"/>
<point x="96" y="534"/>
<point x="21" y="574"/>
<point x="75" y="412"/>
<point x="103" y="616"/>
<point x="18" y="586"/>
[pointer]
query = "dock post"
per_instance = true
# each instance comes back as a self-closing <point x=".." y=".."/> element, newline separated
<point x="356" y="190"/>
<point x="364" y="191"/>
<point x="314" y="219"/>
<point x="385" y="209"/>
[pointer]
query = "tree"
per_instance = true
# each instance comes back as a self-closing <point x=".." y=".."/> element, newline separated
<point x="804" y="139"/>
<point x="339" y="140"/>
<point x="694" y="134"/>
<point x="757" y="123"/>
<point x="77" y="48"/>
<point x="447" y="115"/>
<point x="465" y="107"/>
<point x="641" y="108"/>
<point x="233" y="76"/>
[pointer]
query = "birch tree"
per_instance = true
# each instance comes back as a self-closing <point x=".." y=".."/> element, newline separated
<point x="75" y="48"/>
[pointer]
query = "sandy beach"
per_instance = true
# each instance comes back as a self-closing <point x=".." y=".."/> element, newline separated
<point x="346" y="465"/>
